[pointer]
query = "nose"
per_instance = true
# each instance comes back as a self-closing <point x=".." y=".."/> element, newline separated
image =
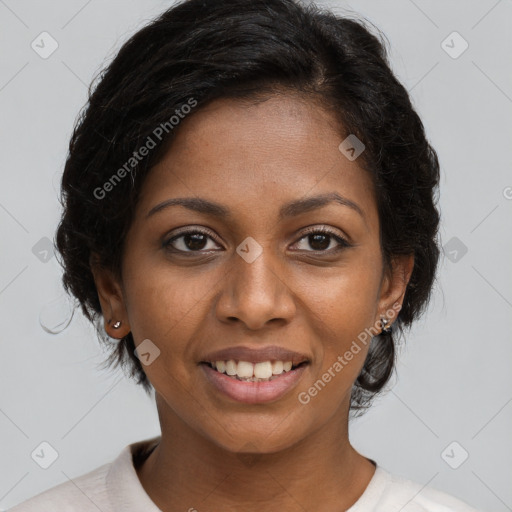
<point x="256" y="294"/>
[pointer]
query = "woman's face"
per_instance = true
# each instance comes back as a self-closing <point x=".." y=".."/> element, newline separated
<point x="252" y="273"/>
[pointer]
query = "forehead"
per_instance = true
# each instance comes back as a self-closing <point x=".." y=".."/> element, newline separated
<point x="278" y="149"/>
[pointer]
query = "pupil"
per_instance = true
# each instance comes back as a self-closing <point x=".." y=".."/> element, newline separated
<point x="317" y="238"/>
<point x="195" y="241"/>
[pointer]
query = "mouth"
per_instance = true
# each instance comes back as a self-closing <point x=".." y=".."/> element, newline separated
<point x="246" y="371"/>
<point x="253" y="383"/>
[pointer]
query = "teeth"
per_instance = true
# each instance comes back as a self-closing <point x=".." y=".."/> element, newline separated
<point x="263" y="370"/>
<point x="277" y="367"/>
<point x="230" y="367"/>
<point x="244" y="370"/>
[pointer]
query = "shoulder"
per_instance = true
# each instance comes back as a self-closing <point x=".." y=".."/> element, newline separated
<point x="112" y="486"/>
<point x="85" y="493"/>
<point x="410" y="496"/>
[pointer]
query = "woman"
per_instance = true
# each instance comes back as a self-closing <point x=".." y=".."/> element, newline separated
<point x="250" y="210"/>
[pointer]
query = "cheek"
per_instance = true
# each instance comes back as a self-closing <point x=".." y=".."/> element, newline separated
<point x="345" y="300"/>
<point x="160" y="297"/>
<point x="165" y="308"/>
<point x="341" y="319"/>
<point x="341" y="308"/>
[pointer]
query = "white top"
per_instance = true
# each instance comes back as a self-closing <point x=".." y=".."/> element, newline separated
<point x="115" y="487"/>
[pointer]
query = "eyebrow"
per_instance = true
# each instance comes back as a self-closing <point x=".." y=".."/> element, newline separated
<point x="288" y="210"/>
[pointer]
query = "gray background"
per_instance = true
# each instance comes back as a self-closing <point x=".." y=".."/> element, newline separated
<point x="454" y="379"/>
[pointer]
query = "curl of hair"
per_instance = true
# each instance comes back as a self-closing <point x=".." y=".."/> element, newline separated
<point x="247" y="50"/>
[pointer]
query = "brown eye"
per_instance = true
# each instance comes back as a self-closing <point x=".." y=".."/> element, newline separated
<point x="190" y="241"/>
<point x="195" y="242"/>
<point x="324" y="240"/>
<point x="319" y="242"/>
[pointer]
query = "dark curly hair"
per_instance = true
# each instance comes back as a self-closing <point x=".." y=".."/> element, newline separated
<point x="201" y="50"/>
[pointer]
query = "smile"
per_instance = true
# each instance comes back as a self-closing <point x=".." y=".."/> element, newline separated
<point x="253" y="383"/>
<point x="252" y="372"/>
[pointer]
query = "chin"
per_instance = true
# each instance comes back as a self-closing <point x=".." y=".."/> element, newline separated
<point x="253" y="434"/>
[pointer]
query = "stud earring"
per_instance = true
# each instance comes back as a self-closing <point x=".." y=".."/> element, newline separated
<point x="385" y="328"/>
<point x="117" y="324"/>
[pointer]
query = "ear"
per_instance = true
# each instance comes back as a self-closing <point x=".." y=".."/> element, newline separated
<point x="111" y="298"/>
<point x="394" y="286"/>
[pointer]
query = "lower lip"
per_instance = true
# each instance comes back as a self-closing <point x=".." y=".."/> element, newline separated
<point x="254" y="392"/>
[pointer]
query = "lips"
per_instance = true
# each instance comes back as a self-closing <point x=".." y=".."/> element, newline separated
<point x="254" y="376"/>
<point x="258" y="392"/>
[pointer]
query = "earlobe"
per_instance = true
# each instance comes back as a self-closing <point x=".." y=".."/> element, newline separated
<point x="113" y="328"/>
<point x="111" y="299"/>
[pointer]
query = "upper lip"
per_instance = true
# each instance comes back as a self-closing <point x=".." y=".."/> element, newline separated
<point x="256" y="355"/>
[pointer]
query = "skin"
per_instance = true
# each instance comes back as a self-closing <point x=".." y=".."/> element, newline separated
<point x="217" y="454"/>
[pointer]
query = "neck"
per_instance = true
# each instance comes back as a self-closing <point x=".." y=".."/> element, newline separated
<point x="187" y="471"/>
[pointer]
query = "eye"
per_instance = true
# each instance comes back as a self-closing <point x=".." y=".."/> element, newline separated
<point x="321" y="238"/>
<point x="190" y="241"/>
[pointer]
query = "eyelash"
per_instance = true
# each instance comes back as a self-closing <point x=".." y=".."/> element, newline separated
<point x="342" y="243"/>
